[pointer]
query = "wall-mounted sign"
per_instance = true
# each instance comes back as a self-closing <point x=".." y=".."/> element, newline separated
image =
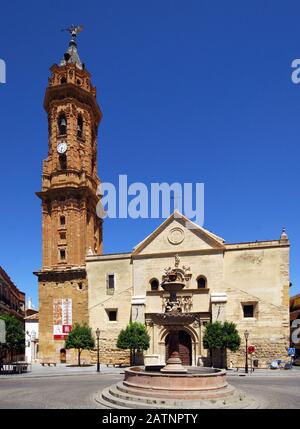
<point x="62" y="318"/>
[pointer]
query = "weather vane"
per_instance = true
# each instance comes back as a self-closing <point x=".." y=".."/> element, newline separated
<point x="74" y="30"/>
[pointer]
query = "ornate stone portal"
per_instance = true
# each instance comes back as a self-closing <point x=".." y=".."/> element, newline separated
<point x="173" y="281"/>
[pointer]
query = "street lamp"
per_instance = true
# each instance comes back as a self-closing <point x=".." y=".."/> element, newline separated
<point x="246" y="335"/>
<point x="98" y="350"/>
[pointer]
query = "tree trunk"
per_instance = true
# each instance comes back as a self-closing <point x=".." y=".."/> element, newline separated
<point x="79" y="353"/>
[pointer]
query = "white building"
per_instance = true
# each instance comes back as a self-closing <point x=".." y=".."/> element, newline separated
<point x="32" y="333"/>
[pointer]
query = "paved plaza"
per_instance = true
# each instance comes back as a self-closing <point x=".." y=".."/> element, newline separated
<point x="67" y="387"/>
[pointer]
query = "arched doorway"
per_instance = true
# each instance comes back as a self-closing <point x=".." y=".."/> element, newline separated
<point x="63" y="356"/>
<point x="185" y="346"/>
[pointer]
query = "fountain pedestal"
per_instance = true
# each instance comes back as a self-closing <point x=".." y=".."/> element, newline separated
<point x="173" y="285"/>
<point x="174" y="365"/>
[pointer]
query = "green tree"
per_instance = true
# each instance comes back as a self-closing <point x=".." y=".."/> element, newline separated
<point x="221" y="337"/>
<point x="80" y="338"/>
<point x="15" y="336"/>
<point x="134" y="338"/>
<point x="212" y="339"/>
<point x="231" y="338"/>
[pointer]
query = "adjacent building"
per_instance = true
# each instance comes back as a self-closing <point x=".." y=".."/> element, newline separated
<point x="294" y="317"/>
<point x="12" y="300"/>
<point x="31" y="333"/>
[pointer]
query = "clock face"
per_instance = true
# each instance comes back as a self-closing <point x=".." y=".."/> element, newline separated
<point x="62" y="147"/>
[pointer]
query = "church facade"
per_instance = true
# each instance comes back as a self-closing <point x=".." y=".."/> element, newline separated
<point x="246" y="283"/>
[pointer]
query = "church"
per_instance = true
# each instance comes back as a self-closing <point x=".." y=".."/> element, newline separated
<point x="245" y="283"/>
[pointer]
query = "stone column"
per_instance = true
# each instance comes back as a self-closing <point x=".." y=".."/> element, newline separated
<point x="150" y="330"/>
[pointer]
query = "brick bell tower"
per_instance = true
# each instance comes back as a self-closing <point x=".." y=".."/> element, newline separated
<point x="70" y="226"/>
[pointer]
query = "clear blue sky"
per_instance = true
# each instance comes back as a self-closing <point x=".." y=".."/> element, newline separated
<point x="194" y="91"/>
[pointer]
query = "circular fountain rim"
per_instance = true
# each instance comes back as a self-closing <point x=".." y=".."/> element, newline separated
<point x="139" y="370"/>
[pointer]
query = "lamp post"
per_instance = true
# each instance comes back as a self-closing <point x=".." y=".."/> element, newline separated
<point x="246" y="335"/>
<point x="98" y="350"/>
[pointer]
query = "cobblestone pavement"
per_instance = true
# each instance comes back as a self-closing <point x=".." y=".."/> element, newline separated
<point x="77" y="391"/>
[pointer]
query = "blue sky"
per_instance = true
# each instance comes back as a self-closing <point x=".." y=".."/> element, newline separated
<point x="195" y="91"/>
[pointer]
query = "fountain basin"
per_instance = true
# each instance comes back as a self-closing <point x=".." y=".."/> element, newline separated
<point x="199" y="388"/>
<point x="174" y="286"/>
<point x="197" y="383"/>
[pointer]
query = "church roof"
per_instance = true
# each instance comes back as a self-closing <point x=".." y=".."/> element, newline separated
<point x="176" y="214"/>
<point x="34" y="316"/>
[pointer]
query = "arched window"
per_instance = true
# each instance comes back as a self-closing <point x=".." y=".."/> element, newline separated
<point x="63" y="80"/>
<point x="154" y="283"/>
<point x="79" y="126"/>
<point x="62" y="125"/>
<point x="201" y="282"/>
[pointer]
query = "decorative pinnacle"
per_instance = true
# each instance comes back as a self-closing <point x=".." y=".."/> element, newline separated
<point x="71" y="56"/>
<point x="283" y="235"/>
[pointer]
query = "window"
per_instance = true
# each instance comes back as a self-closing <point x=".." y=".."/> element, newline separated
<point x="63" y="162"/>
<point x="110" y="283"/>
<point x="79" y="126"/>
<point x="62" y="235"/>
<point x="62" y="254"/>
<point x="112" y="315"/>
<point x="201" y="282"/>
<point x="80" y="286"/>
<point x="63" y="80"/>
<point x="62" y="125"/>
<point x="248" y="310"/>
<point x="154" y="284"/>
<point x="62" y="220"/>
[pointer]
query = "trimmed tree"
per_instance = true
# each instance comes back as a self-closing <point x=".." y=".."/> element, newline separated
<point x="15" y="336"/>
<point x="80" y="338"/>
<point x="212" y="339"/>
<point x="231" y="337"/>
<point x="134" y="338"/>
<point x="221" y="337"/>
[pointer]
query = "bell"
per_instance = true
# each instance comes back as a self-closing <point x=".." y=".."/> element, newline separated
<point x="63" y="122"/>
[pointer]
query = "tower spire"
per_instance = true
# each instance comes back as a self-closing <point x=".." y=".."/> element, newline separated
<point x="71" y="56"/>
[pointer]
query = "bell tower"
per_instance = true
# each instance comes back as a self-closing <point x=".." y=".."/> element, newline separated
<point x="70" y="225"/>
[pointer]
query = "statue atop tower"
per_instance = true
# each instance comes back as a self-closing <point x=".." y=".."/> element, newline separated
<point x="71" y="56"/>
